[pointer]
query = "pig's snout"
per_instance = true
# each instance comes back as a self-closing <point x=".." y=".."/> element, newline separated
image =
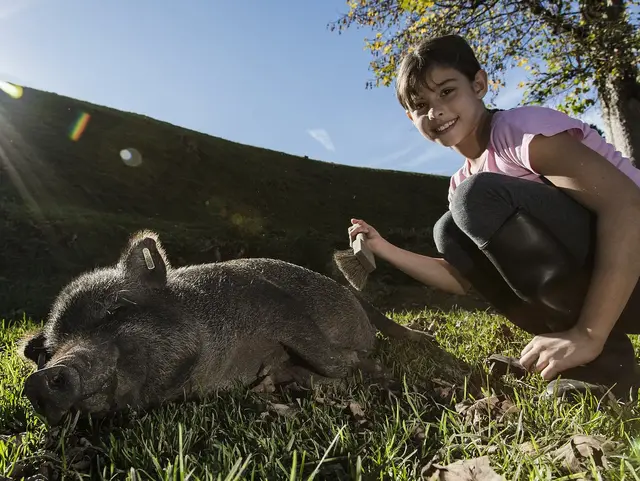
<point x="52" y="391"/>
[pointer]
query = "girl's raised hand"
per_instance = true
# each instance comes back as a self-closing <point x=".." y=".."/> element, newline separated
<point x="372" y="236"/>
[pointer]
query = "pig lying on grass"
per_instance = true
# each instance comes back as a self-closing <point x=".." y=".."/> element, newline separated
<point x="140" y="333"/>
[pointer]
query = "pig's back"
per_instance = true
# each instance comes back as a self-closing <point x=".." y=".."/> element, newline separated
<point x="333" y="308"/>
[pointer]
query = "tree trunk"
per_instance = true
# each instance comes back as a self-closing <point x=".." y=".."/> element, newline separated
<point x="620" y="101"/>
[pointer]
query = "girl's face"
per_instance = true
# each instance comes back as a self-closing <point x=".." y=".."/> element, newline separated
<point x="449" y="108"/>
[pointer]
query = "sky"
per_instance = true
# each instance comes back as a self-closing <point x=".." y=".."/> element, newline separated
<point x="269" y="74"/>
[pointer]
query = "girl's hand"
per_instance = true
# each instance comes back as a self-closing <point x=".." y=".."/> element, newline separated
<point x="551" y="354"/>
<point x="372" y="236"/>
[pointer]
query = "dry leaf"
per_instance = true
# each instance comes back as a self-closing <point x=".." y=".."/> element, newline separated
<point x="356" y="410"/>
<point x="500" y="365"/>
<point x="418" y="435"/>
<point x="281" y="409"/>
<point x="476" y="469"/>
<point x="527" y="448"/>
<point x="358" y="414"/>
<point x="475" y="412"/>
<point x="443" y="392"/>
<point x="579" y="448"/>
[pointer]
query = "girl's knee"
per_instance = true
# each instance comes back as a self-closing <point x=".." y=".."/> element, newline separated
<point x="453" y="244"/>
<point x="444" y="231"/>
<point x="481" y="203"/>
<point x="476" y="190"/>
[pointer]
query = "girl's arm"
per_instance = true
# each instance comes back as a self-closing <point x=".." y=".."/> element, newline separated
<point x="432" y="271"/>
<point x="599" y="186"/>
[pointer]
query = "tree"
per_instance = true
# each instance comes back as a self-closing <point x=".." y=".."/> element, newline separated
<point x="578" y="54"/>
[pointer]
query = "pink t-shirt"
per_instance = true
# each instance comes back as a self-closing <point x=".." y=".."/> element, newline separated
<point x="512" y="131"/>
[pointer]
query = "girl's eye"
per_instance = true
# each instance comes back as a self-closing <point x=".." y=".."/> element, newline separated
<point x="447" y="91"/>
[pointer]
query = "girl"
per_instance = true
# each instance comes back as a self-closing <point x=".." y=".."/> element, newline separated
<point x="543" y="221"/>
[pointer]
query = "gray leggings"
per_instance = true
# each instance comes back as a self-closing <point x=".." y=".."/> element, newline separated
<point x="483" y="202"/>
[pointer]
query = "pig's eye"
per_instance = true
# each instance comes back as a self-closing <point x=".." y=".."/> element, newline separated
<point x="57" y="381"/>
<point x="113" y="309"/>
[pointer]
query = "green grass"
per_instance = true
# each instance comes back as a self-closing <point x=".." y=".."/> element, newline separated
<point x="362" y="430"/>
<point x="68" y="206"/>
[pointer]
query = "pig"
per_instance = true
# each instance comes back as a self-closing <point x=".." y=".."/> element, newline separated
<point x="140" y="333"/>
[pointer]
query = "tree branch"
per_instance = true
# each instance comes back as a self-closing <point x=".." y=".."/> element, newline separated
<point x="557" y="21"/>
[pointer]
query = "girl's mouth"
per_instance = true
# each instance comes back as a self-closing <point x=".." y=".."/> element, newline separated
<point x="445" y="127"/>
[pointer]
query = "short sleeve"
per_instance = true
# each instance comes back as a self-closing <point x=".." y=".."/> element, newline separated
<point x="454" y="181"/>
<point x="451" y="189"/>
<point x="516" y="128"/>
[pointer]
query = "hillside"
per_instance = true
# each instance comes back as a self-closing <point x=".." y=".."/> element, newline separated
<point x="69" y="205"/>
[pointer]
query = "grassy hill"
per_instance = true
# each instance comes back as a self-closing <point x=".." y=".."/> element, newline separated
<point x="68" y="205"/>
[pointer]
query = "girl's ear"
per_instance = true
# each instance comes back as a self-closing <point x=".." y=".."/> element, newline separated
<point x="481" y="83"/>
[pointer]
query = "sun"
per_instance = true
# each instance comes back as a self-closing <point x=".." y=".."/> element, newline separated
<point x="12" y="90"/>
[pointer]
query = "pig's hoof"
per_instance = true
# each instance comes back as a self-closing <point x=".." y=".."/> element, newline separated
<point x="370" y="366"/>
<point x="265" y="386"/>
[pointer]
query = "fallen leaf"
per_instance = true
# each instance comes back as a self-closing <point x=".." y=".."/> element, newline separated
<point x="527" y="448"/>
<point x="418" y="435"/>
<point x="443" y="392"/>
<point x="476" y="469"/>
<point x="356" y="410"/>
<point x="492" y="449"/>
<point x="580" y="448"/>
<point x="493" y="406"/>
<point x="281" y="409"/>
<point x="500" y="365"/>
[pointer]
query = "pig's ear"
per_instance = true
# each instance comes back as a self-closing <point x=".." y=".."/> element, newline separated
<point x="144" y="259"/>
<point x="32" y="347"/>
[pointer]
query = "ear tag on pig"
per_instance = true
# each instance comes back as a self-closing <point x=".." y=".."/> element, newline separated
<point x="148" y="259"/>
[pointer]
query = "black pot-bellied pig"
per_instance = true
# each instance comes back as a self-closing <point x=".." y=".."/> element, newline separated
<point x="140" y="333"/>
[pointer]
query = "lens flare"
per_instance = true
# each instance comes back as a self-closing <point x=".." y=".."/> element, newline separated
<point x="131" y="157"/>
<point x="12" y="90"/>
<point x="79" y="126"/>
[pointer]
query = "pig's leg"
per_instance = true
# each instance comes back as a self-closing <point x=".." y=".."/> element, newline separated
<point x="312" y="346"/>
<point x="305" y="377"/>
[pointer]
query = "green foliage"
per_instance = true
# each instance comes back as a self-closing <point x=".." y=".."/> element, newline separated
<point x="569" y="49"/>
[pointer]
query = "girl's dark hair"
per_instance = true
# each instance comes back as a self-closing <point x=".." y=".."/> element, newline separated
<point x="446" y="51"/>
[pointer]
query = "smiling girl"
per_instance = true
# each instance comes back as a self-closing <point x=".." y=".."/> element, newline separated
<point x="543" y="221"/>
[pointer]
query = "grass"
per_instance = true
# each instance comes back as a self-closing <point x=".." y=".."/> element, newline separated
<point x="423" y="419"/>
<point x="69" y="205"/>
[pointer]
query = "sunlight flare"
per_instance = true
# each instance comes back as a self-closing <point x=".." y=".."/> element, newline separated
<point x="79" y="126"/>
<point x="12" y="90"/>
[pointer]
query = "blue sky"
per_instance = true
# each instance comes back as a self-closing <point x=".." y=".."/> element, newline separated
<point x="268" y="74"/>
